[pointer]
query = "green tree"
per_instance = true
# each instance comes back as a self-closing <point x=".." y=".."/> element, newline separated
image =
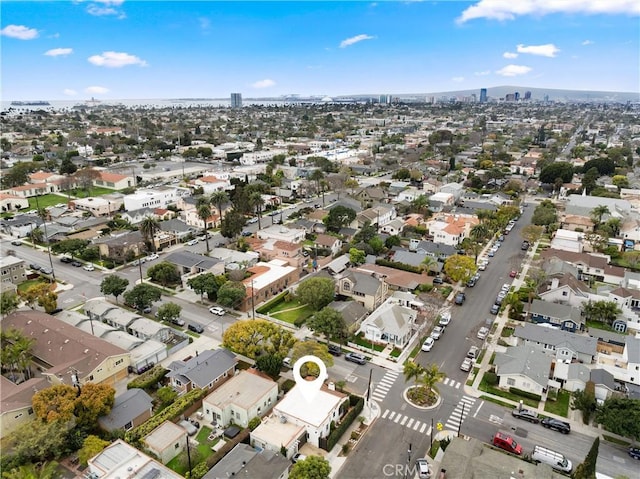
<point x="164" y="273"/>
<point x="252" y="338"/>
<point x="587" y="469"/>
<point x="558" y="169"/>
<point x="204" y="213"/>
<point x="269" y="364"/>
<point x="603" y="311"/>
<point x="311" y="348"/>
<point x="545" y="214"/>
<point x="589" y="179"/>
<point x="339" y="217"/>
<point x="532" y="233"/>
<point x="620" y="181"/>
<point x="67" y="167"/>
<point x="391" y="241"/>
<point x="9" y="302"/>
<point x="166" y="395"/>
<point x="142" y="296"/>
<point x="316" y="292"/>
<point x="621" y="416"/>
<point x="38" y="441"/>
<point x="356" y="256"/>
<point x="48" y="301"/>
<point x="412" y="371"/>
<point x="257" y="203"/>
<point x="377" y="245"/>
<point x="584" y="400"/>
<point x="206" y="283"/>
<point x="313" y="467"/>
<point x="55" y="404"/>
<point x="91" y="446"/>
<point x="149" y="226"/>
<point x="73" y="247"/>
<point x="219" y="199"/>
<point x="231" y="294"/>
<point x="16" y="353"/>
<point x="430" y="376"/>
<point x="114" y="285"/>
<point x="460" y="268"/>
<point x="169" y="312"/>
<point x="46" y="470"/>
<point x="328" y="322"/>
<point x="232" y="224"/>
<point x="597" y="213"/>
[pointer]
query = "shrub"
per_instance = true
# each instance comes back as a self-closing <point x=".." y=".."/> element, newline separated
<point x="149" y="378"/>
<point x="425" y="288"/>
<point x="356" y="403"/>
<point x="299" y="321"/>
<point x="198" y="471"/>
<point x="254" y="423"/>
<point x="396" y="265"/>
<point x="526" y="394"/>
<point x="491" y="378"/>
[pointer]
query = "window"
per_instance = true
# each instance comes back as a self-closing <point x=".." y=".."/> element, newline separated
<point x="119" y="361"/>
<point x="346" y="286"/>
<point x="128" y="426"/>
<point x="511" y="382"/>
<point x="177" y="445"/>
<point x="565" y="293"/>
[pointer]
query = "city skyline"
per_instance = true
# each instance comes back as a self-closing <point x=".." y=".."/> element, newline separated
<point x="112" y="49"/>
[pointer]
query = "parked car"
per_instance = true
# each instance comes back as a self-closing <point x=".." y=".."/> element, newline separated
<point x="334" y="349"/>
<point x="217" y="310"/>
<point x="177" y="321"/>
<point x="45" y="270"/>
<point x="513" y="273"/>
<point x="437" y="332"/>
<point x="88" y="267"/>
<point x="491" y="253"/>
<point x="483" y="333"/>
<point x="76" y="264"/>
<point x="506" y="442"/>
<point x="466" y="365"/>
<point x="286" y="362"/>
<point x="556" y="425"/>
<point x="356" y="358"/>
<point x="35" y="266"/>
<point x="473" y="353"/>
<point x="192" y="242"/>
<point x="501" y="238"/>
<point x="445" y="318"/>
<point x="65" y="259"/>
<point x="460" y="297"/>
<point x="483" y="266"/>
<point x="495" y="309"/>
<point x="196" y="328"/>
<point x="16" y="243"/>
<point x="438" y="280"/>
<point x="554" y="459"/>
<point x="298" y="457"/>
<point x="422" y="468"/>
<point x="152" y="256"/>
<point x="525" y="415"/>
<point x="634" y="452"/>
<point x="253" y="220"/>
<point x="525" y="246"/>
<point x="428" y="344"/>
<point x="246" y="233"/>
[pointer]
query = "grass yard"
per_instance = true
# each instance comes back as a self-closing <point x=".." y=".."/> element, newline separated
<point x="25" y="285"/>
<point x="178" y="464"/>
<point x="44" y="201"/>
<point x="95" y="191"/>
<point x="560" y="406"/>
<point x="360" y="341"/>
<point x="291" y="316"/>
<point x="496" y="401"/>
<point x="486" y="387"/>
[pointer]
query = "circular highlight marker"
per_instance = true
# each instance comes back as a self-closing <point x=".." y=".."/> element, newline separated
<point x="309" y="389"/>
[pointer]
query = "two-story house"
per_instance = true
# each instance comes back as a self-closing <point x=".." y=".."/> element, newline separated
<point x="207" y="370"/>
<point x="368" y="289"/>
<point x="563" y="345"/>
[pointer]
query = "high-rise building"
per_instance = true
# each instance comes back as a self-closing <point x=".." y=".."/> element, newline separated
<point x="383" y="99"/>
<point x="516" y="96"/>
<point x="236" y="100"/>
<point x="483" y="95"/>
<point x="527" y="95"/>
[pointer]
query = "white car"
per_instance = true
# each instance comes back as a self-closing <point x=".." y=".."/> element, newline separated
<point x="445" y="318"/>
<point x="437" y="332"/>
<point x="466" y="365"/>
<point x="192" y="242"/>
<point x="253" y="220"/>
<point x="482" y="266"/>
<point x="217" y="310"/>
<point x="483" y="332"/>
<point x="88" y="267"/>
<point x="428" y="344"/>
<point x="152" y="256"/>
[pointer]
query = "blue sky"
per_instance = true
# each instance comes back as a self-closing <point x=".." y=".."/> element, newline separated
<point x="115" y="49"/>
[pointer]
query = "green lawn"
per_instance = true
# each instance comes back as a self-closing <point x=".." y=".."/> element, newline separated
<point x="486" y="387"/>
<point x="560" y="406"/>
<point x="203" y="452"/>
<point x="291" y="316"/>
<point x="22" y="287"/>
<point x="360" y="341"/>
<point x="95" y="191"/>
<point x="599" y="325"/>
<point x="496" y="401"/>
<point x="44" y="201"/>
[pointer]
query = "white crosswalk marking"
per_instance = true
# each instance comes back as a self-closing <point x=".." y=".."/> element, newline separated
<point x="385" y="413"/>
<point x="450" y="382"/>
<point x="397" y="418"/>
<point x="404" y="419"/>
<point x="391" y="415"/>
<point x="460" y="412"/>
<point x="424" y="425"/>
<point x="410" y="422"/>
<point x="384" y="385"/>
<point x="416" y="425"/>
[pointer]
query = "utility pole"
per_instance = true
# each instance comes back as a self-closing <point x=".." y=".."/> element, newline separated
<point x="460" y="422"/>
<point x="46" y="238"/>
<point x="253" y="306"/>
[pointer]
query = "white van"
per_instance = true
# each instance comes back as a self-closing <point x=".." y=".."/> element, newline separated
<point x="556" y="460"/>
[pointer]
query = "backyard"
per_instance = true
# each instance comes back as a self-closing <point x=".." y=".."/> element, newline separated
<point x="44" y="201"/>
<point x="201" y="453"/>
<point x="94" y="191"/>
<point x="286" y="308"/>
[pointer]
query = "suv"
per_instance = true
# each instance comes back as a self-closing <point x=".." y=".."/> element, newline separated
<point x="196" y="328"/>
<point x="525" y="246"/>
<point x="356" y="358"/>
<point x="334" y="350"/>
<point x="460" y="297"/>
<point x="495" y="309"/>
<point x="556" y="425"/>
<point x="473" y="352"/>
<point x="217" y="310"/>
<point x="466" y="365"/>
<point x="526" y="415"/>
<point x="483" y="332"/>
<point x="506" y="442"/>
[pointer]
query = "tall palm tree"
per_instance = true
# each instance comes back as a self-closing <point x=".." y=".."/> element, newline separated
<point x="412" y="371"/>
<point x="149" y="226"/>
<point x="317" y="176"/>
<point x="204" y="213"/>
<point x="218" y="199"/>
<point x="597" y="213"/>
<point x="479" y="232"/>
<point x="429" y="262"/>
<point x="257" y="202"/>
<point x="429" y="377"/>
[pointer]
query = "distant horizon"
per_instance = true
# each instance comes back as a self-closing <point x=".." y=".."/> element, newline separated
<point x="118" y="49"/>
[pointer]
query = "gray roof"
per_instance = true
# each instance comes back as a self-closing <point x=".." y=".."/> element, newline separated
<point x="409" y="257"/>
<point x="347" y="203"/>
<point x="436" y="249"/>
<point x="205" y="367"/>
<point x="245" y="461"/>
<point x="176" y="226"/>
<point x="126" y="407"/>
<point x="555" y="337"/>
<point x="604" y="378"/>
<point x="526" y="361"/>
<point x="189" y="259"/>
<point x="633" y="350"/>
<point x="352" y="311"/>
<point x="561" y="312"/>
<point x="22" y="220"/>
<point x="363" y="283"/>
<point x="339" y="264"/>
<point x="555" y="266"/>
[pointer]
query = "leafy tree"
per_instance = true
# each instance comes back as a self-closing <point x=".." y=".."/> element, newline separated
<point x="313" y="467"/>
<point x="46" y="470"/>
<point x="597" y="213"/>
<point x="252" y="338"/>
<point x="311" y="348"/>
<point x="621" y="416"/>
<point x="532" y="233"/>
<point x="91" y="446"/>
<point x="328" y="322"/>
<point x="589" y="179"/>
<point x="142" y="296"/>
<point x="558" y="169"/>
<point x="40" y="293"/>
<point x="269" y="364"/>
<point x="232" y="224"/>
<point x="356" y="256"/>
<point x="169" y="312"/>
<point x="545" y="214"/>
<point x="377" y="245"/>
<point x="605" y="166"/>
<point x="166" y="395"/>
<point x="206" y="283"/>
<point x="72" y="247"/>
<point x="603" y="311"/>
<point x="164" y="273"/>
<point x="339" y="217"/>
<point x="114" y="285"/>
<point x="621" y="181"/>
<point x="231" y="294"/>
<point x="316" y="292"/>
<point x="86" y="176"/>
<point x="632" y="258"/>
<point x="67" y="167"/>
<point x="584" y="400"/>
<point x="587" y="469"/>
<point x="459" y="267"/>
<point x="149" y="226"/>
<point x="9" y="302"/>
<point x="38" y="441"/>
<point x="412" y="371"/>
<point x="55" y="403"/>
<point x="48" y="301"/>
<point x="392" y="241"/>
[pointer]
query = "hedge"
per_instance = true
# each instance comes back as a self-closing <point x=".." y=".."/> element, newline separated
<point x="149" y="378"/>
<point x="356" y="403"/>
<point x="265" y="308"/>
<point x="180" y="405"/>
<point x="526" y="394"/>
<point x="401" y="266"/>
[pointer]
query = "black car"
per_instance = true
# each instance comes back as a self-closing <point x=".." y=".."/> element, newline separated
<point x="66" y="259"/>
<point x="196" y="328"/>
<point x="526" y="415"/>
<point x="438" y="280"/>
<point x="634" y="452"/>
<point x="556" y="425"/>
<point x="35" y="266"/>
<point x="77" y="264"/>
<point x="356" y="358"/>
<point x="460" y="297"/>
<point x="525" y="246"/>
<point x="334" y="350"/>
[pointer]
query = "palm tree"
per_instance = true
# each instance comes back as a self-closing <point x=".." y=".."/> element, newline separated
<point x="204" y="213"/>
<point x="256" y="201"/>
<point x="614" y="225"/>
<point x="218" y="199"/>
<point x="429" y="262"/>
<point x="412" y="371"/>
<point x="149" y="226"/>
<point x="479" y="232"/>
<point x="429" y="377"/>
<point x="47" y="470"/>
<point x="317" y="176"/>
<point x="597" y="213"/>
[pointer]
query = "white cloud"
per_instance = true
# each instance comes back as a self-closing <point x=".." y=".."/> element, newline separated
<point x="513" y="70"/>
<point x="483" y="73"/>
<point x="69" y="92"/>
<point x="116" y="60"/>
<point x="358" y="38"/>
<point x="509" y="10"/>
<point x="101" y="8"/>
<point x="266" y="83"/>
<point x="57" y="52"/>
<point x="96" y="90"/>
<point x="510" y="55"/>
<point x="373" y="5"/>
<point x="546" y="50"/>
<point x="457" y="79"/>
<point x="20" y="32"/>
<point x="587" y="42"/>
